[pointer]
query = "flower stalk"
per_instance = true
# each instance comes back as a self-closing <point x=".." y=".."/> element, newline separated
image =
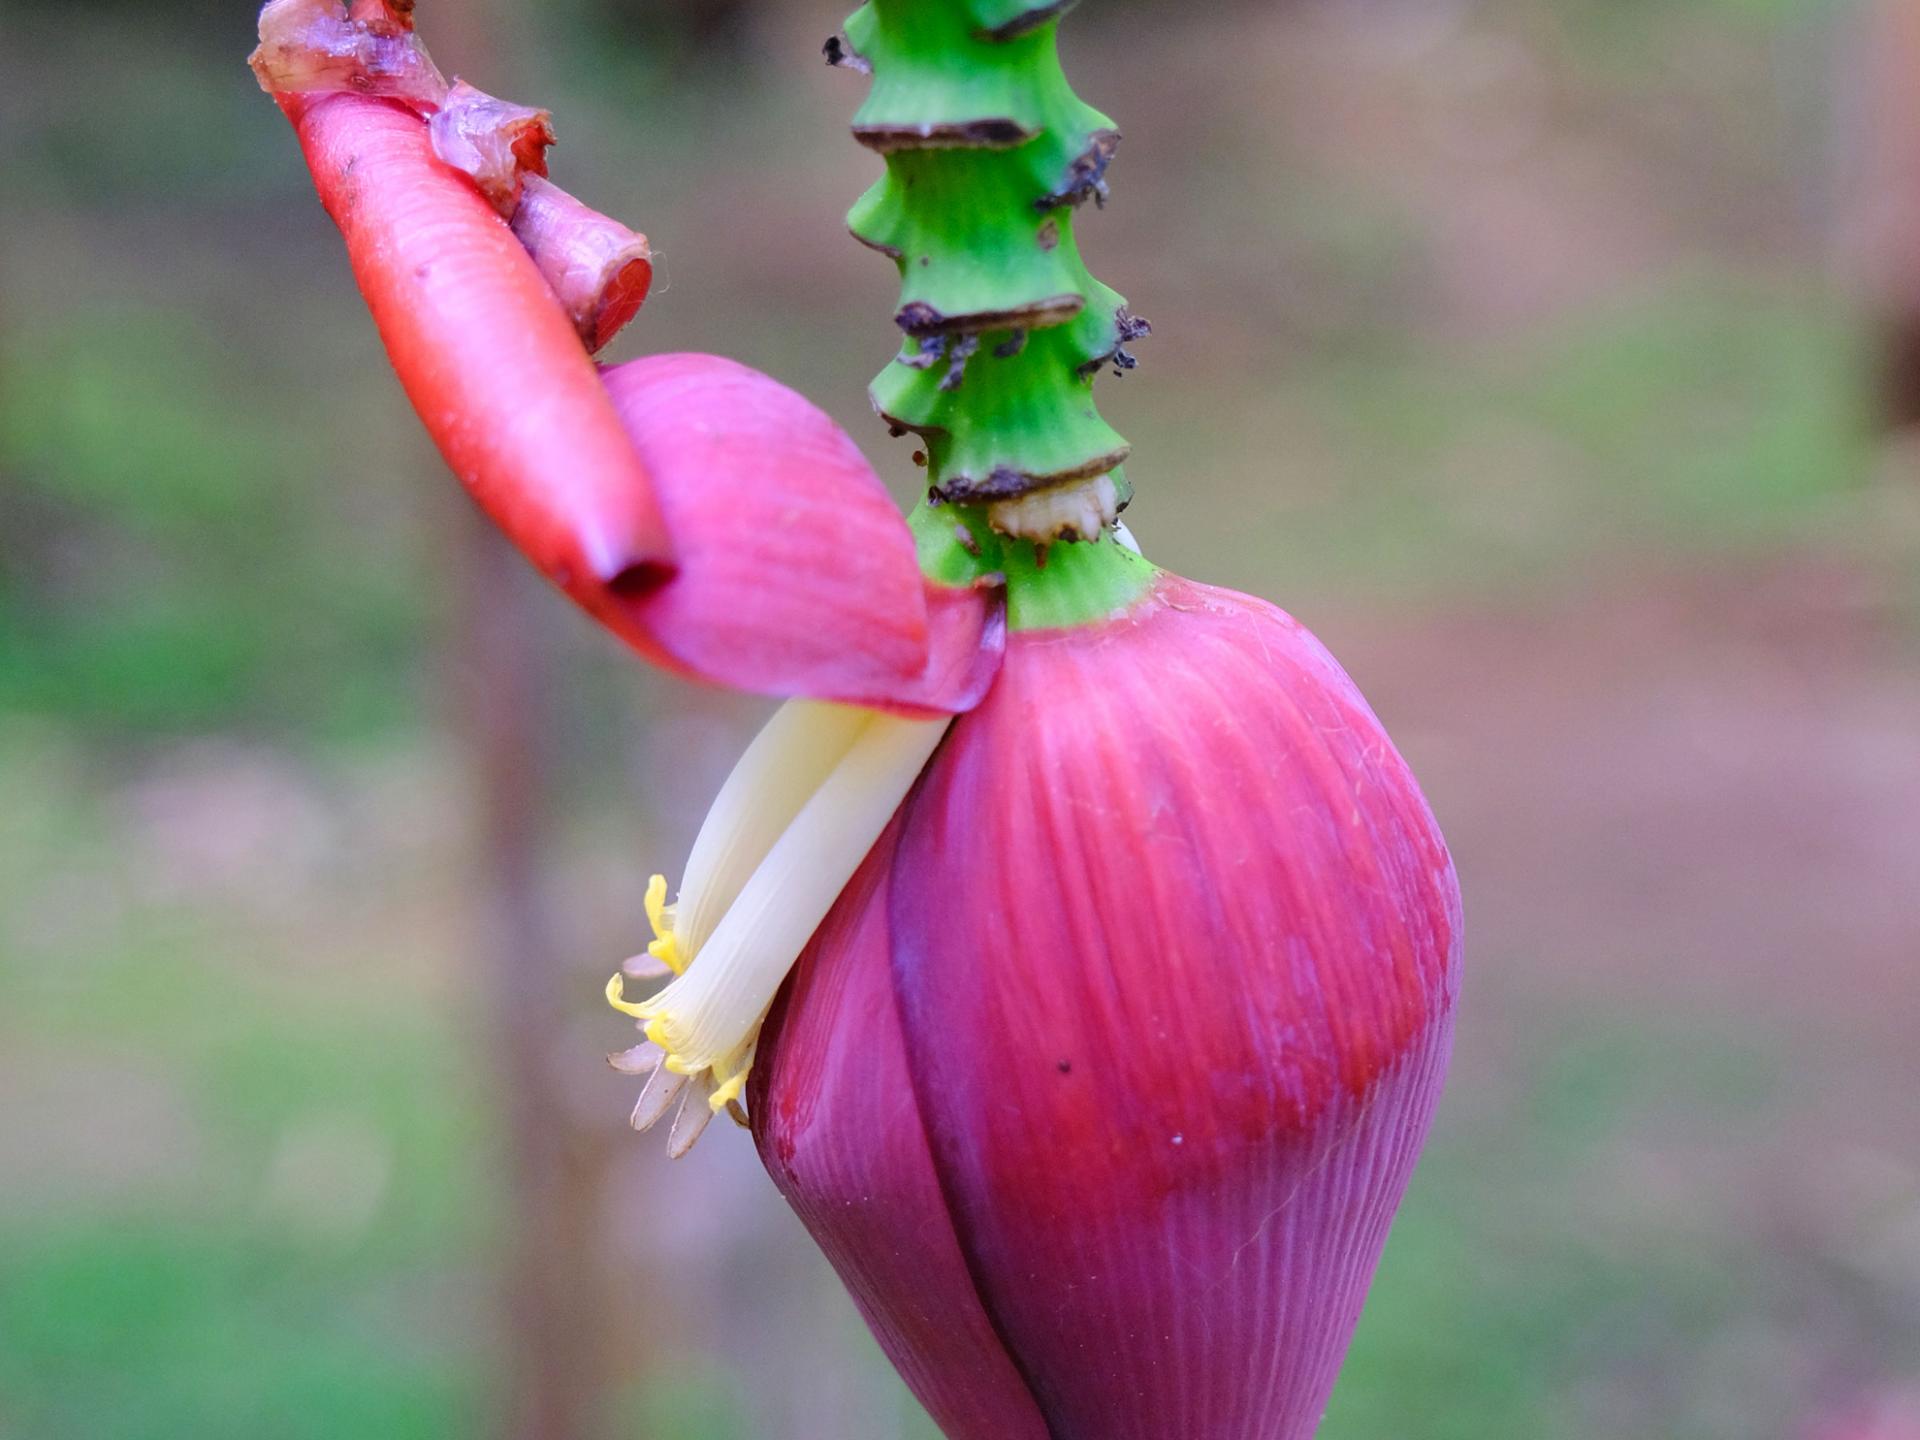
<point x="989" y="156"/>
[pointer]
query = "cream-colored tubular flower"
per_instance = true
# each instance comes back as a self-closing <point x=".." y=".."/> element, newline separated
<point x="791" y="825"/>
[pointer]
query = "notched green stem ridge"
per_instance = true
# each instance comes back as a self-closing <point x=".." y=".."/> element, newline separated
<point x="989" y="157"/>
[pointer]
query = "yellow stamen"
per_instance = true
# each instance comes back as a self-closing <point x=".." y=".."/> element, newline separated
<point x="663" y="946"/>
<point x="730" y="1077"/>
<point x="714" y="1010"/>
<point x="616" y="993"/>
<point x="791" y="825"/>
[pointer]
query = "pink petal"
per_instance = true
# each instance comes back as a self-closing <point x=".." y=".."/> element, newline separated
<point x="795" y="573"/>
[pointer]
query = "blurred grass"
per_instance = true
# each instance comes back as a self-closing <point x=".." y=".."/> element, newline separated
<point x="287" y="1251"/>
<point x="1506" y="1245"/>
<point x="164" y="591"/>
<point x="1710" y="419"/>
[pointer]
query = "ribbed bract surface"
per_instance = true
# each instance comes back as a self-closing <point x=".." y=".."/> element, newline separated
<point x="1108" y="1073"/>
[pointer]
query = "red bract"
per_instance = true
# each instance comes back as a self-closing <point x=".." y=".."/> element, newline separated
<point x="709" y="516"/>
<point x="1122" y="1001"/>
<point x="1102" y="1082"/>
<point x="487" y="357"/>
<point x="796" y="573"/>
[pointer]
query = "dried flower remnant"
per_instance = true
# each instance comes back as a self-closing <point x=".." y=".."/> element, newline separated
<point x="494" y="141"/>
<point x="1061" y="512"/>
<point x="598" y="269"/>
<point x="315" y="46"/>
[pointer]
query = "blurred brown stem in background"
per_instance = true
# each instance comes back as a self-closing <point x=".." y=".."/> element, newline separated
<point x="1879" y="95"/>
<point x="553" y="1323"/>
<point x="555" y="1313"/>
<point x="556" y="1316"/>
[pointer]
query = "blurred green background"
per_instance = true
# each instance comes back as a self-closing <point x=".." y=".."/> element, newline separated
<point x="1536" y="353"/>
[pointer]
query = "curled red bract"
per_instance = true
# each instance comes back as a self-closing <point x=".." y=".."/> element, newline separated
<point x="795" y="574"/>
<point x="599" y="269"/>
<point x="709" y="516"/>
<point x="490" y="362"/>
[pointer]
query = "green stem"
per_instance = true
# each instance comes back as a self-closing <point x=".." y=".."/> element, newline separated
<point x="1049" y="587"/>
<point x="989" y="154"/>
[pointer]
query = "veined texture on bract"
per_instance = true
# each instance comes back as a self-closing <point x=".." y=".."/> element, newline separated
<point x="1103" y="1080"/>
